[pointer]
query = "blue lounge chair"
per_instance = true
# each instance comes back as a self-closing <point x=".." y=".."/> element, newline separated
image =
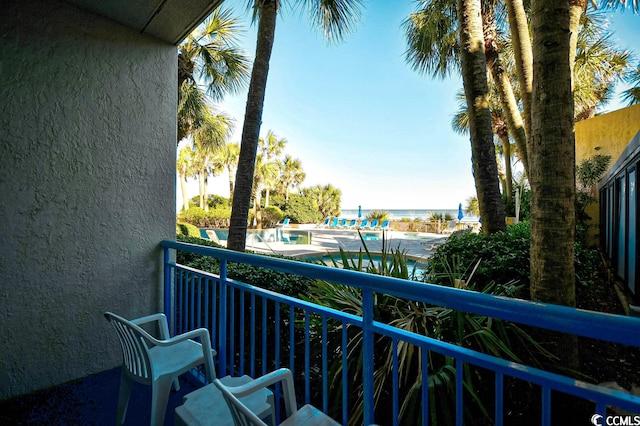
<point x="325" y="223"/>
<point x="374" y="224"/>
<point x="385" y="225"/>
<point x="334" y="223"/>
<point x="364" y="224"/>
<point x="343" y="223"/>
<point x="351" y="224"/>
<point x="285" y="222"/>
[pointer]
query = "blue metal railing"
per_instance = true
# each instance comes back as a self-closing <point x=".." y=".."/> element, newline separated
<point x="256" y="330"/>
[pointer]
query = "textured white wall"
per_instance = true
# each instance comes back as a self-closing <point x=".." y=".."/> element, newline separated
<point x="87" y="190"/>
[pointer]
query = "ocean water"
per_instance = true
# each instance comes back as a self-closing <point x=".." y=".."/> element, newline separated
<point x="396" y="214"/>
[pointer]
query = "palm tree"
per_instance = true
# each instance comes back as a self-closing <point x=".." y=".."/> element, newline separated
<point x="632" y="95"/>
<point x="599" y="64"/>
<point x="335" y="18"/>
<point x="460" y="124"/>
<point x="552" y="163"/>
<point x="511" y="116"/>
<point x="265" y="173"/>
<point x="292" y="174"/>
<point x="327" y="198"/>
<point x="433" y="47"/>
<point x="184" y="166"/>
<point x="623" y="4"/>
<point x="228" y="156"/>
<point x="476" y="88"/>
<point x="523" y="58"/>
<point x="471" y="206"/>
<point x="208" y="139"/>
<point x="270" y="147"/>
<point x="210" y="54"/>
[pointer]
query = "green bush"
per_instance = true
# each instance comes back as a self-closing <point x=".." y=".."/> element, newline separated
<point x="436" y="216"/>
<point x="378" y="214"/>
<point x="187" y="229"/>
<point x="280" y="282"/>
<point x="215" y="218"/>
<point x="477" y="332"/>
<point x="525" y="205"/>
<point x="501" y="257"/>
<point x="301" y="209"/>
<point x="214" y="201"/>
<point x="270" y="216"/>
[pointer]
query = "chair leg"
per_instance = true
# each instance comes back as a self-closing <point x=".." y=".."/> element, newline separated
<point x="159" y="399"/>
<point x="123" y="397"/>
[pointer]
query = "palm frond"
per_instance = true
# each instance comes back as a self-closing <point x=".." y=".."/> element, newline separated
<point x="431" y="34"/>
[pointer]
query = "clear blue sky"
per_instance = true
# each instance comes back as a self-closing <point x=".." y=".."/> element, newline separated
<point x="360" y="119"/>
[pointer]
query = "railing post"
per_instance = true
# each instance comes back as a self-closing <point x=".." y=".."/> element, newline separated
<point x="367" y="356"/>
<point x="222" y="319"/>
<point x="167" y="289"/>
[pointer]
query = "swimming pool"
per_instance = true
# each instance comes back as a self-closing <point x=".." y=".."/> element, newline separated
<point x="285" y="236"/>
<point x="417" y="266"/>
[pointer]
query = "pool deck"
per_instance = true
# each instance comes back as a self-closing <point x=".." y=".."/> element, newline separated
<point x="419" y="246"/>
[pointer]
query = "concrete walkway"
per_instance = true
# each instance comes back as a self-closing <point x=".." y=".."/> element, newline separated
<point x="323" y="241"/>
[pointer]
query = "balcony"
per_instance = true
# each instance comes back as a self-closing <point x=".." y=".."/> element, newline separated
<point x="353" y="365"/>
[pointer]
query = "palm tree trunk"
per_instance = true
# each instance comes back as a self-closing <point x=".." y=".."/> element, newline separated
<point x="256" y="205"/>
<point x="183" y="190"/>
<point x="552" y="163"/>
<point x="578" y="7"/>
<point x="476" y="88"/>
<point x="524" y="66"/>
<point x="503" y="84"/>
<point x="251" y="127"/>
<point x="508" y="174"/>
<point x="230" y="188"/>
<point x="201" y="187"/>
<point x="206" y="192"/>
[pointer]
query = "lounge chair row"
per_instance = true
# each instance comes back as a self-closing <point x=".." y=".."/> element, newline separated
<point x="336" y="223"/>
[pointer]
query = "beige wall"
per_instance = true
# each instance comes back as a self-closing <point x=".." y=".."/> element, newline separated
<point x="87" y="166"/>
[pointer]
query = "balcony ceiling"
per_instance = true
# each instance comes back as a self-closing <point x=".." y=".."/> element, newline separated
<point x="169" y="20"/>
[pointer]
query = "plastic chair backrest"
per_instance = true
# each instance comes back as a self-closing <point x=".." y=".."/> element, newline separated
<point x="242" y="416"/>
<point x="135" y="350"/>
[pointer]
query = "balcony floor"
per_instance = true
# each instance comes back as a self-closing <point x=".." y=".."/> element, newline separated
<point x="91" y="400"/>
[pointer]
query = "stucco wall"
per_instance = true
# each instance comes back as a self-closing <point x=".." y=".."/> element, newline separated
<point x="606" y="134"/>
<point x="609" y="133"/>
<point x="87" y="165"/>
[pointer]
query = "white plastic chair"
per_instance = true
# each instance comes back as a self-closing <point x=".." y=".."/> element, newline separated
<point x="158" y="362"/>
<point x="308" y="415"/>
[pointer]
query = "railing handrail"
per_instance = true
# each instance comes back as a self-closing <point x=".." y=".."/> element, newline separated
<point x="608" y="327"/>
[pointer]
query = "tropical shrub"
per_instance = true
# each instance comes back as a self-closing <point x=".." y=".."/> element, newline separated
<point x="504" y="257"/>
<point x="187" y="229"/>
<point x="378" y="214"/>
<point x="477" y="332"/>
<point x="499" y="257"/>
<point x="436" y="216"/>
<point x="270" y="216"/>
<point x="215" y="218"/>
<point x="525" y="205"/>
<point x="301" y="209"/>
<point x="265" y="278"/>
<point x="214" y="201"/>
<point x="588" y="173"/>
